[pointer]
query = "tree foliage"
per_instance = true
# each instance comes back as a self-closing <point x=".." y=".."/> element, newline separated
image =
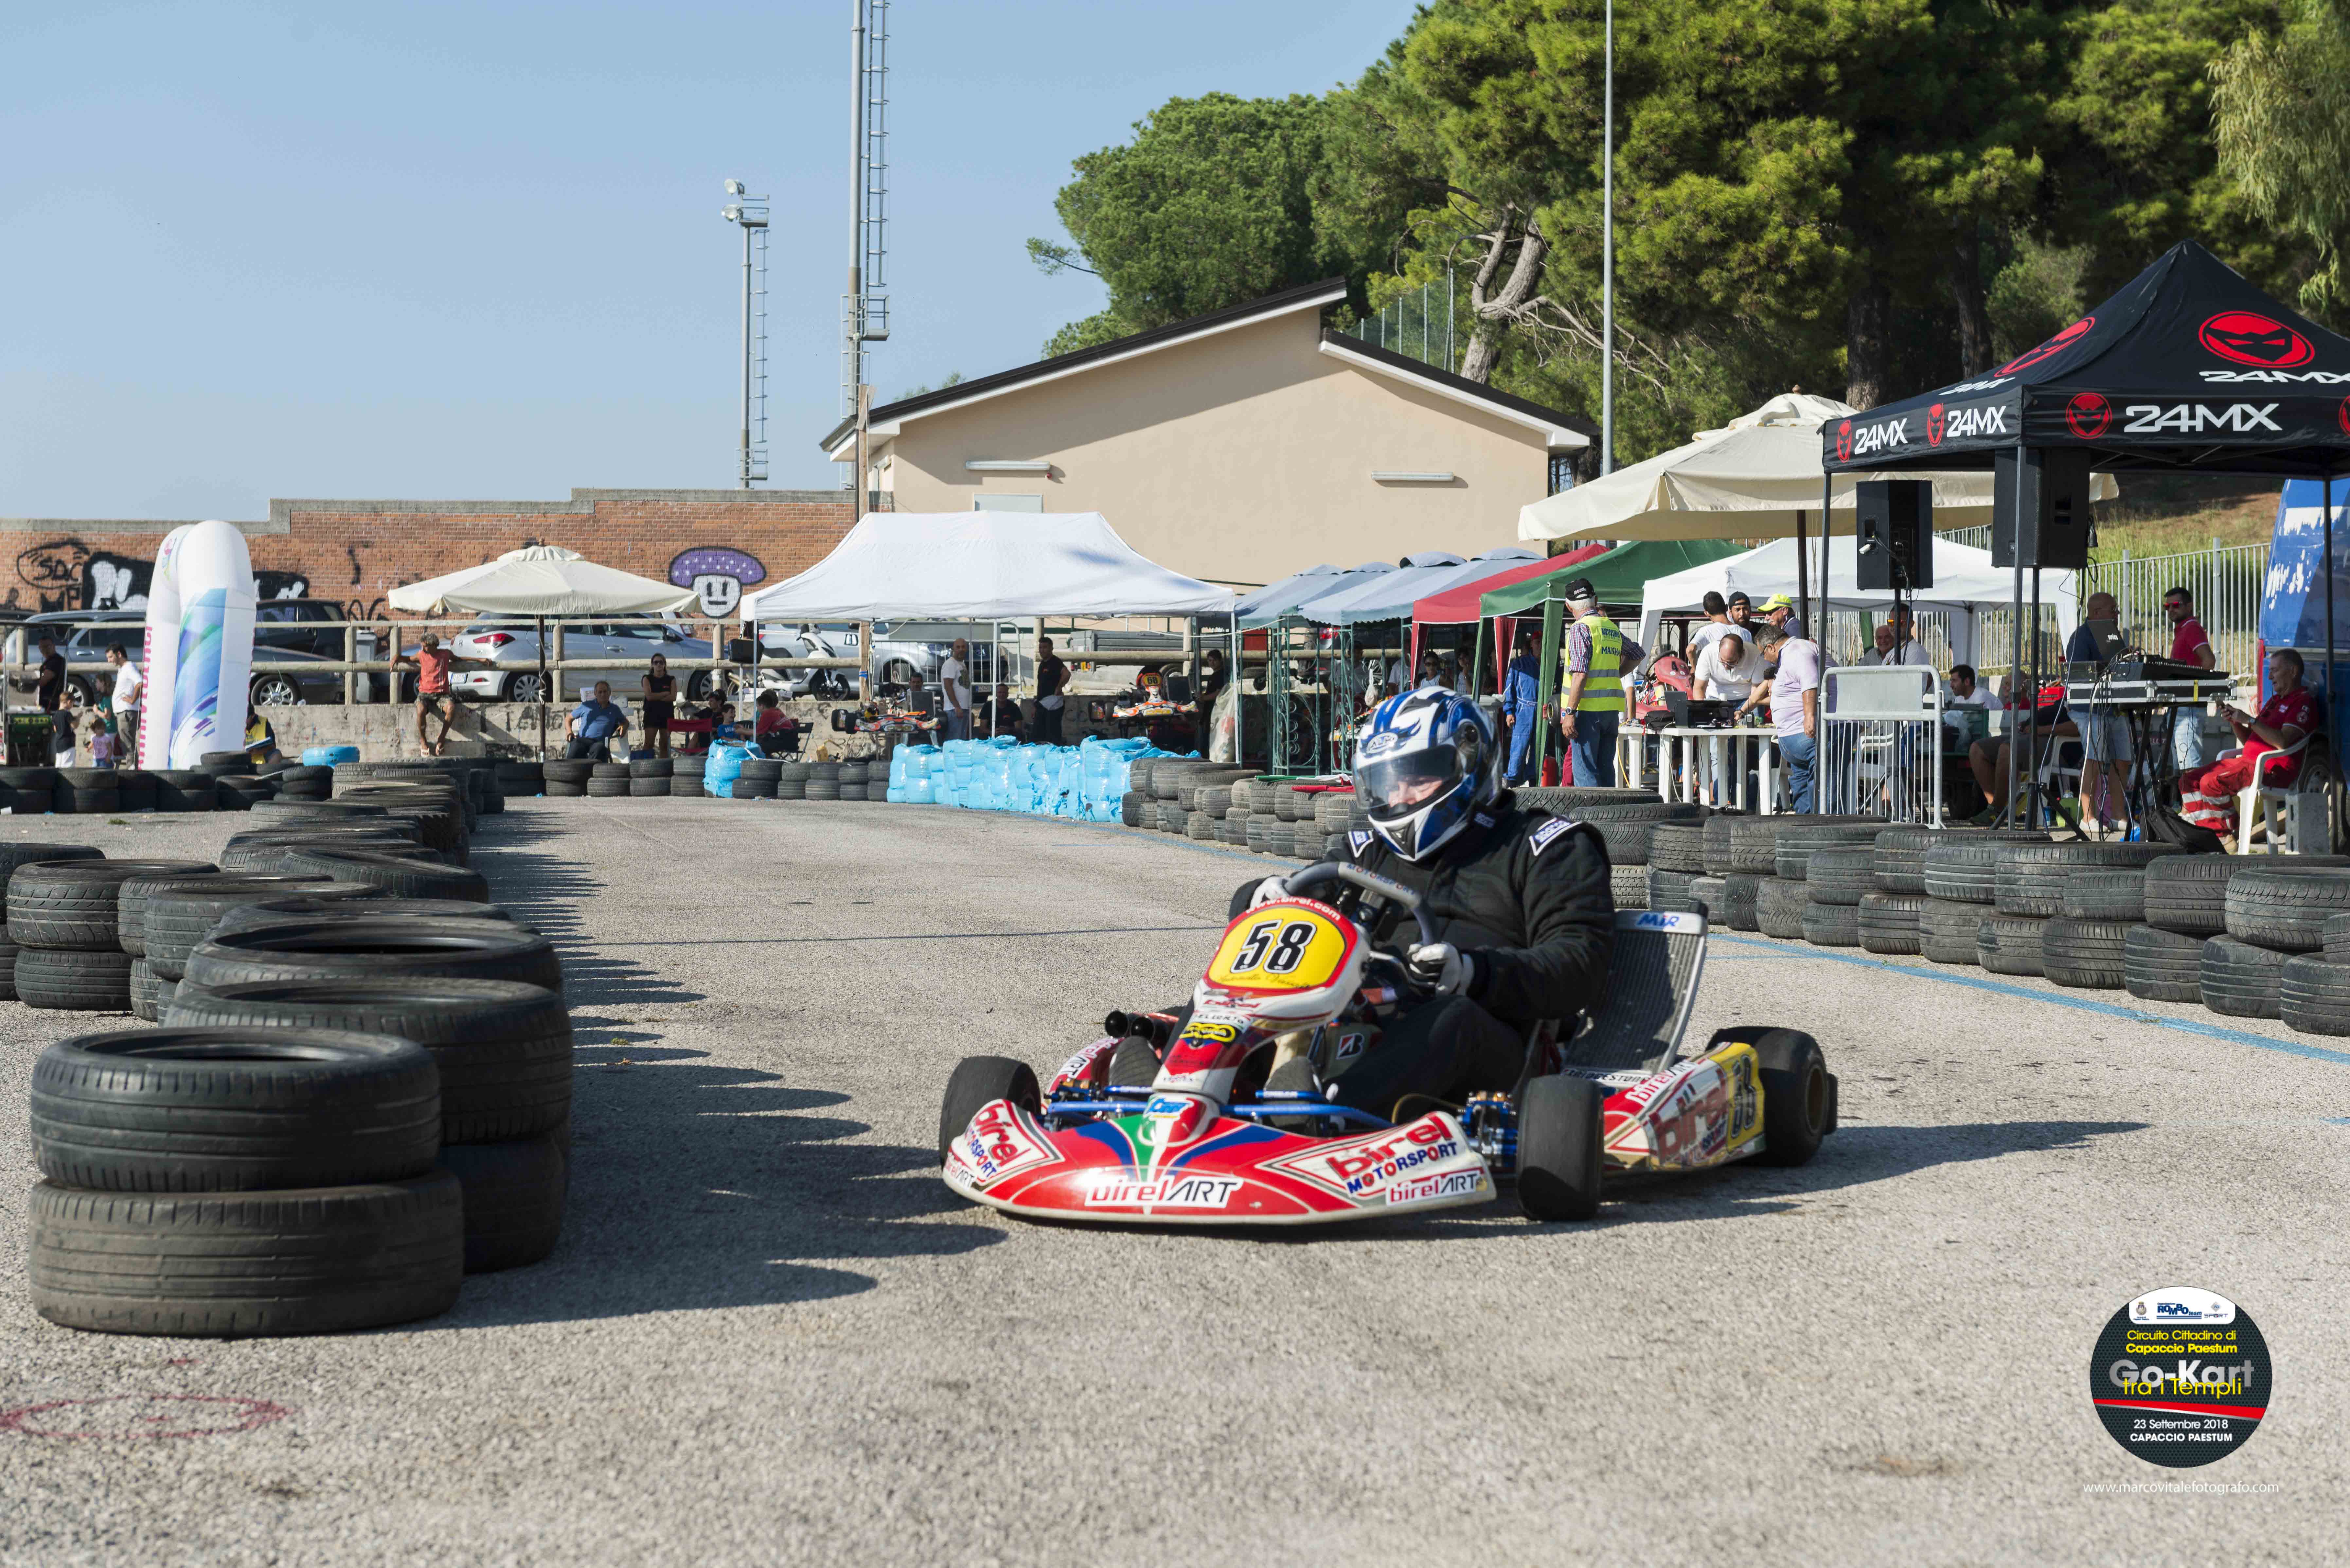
<point x="1867" y="196"/>
<point x="2282" y="104"/>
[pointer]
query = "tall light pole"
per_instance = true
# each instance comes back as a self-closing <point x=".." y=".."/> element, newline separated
<point x="751" y="212"/>
<point x="1608" y="258"/>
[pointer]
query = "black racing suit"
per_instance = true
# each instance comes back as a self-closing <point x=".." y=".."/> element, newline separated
<point x="1525" y="897"/>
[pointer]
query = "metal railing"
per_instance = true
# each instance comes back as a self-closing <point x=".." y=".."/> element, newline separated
<point x="1417" y="324"/>
<point x="1880" y="746"/>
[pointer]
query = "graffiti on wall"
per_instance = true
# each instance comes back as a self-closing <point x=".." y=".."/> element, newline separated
<point x="718" y="574"/>
<point x="68" y="574"/>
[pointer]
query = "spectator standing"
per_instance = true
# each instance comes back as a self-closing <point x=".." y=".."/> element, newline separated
<point x="1052" y="691"/>
<point x="1522" y="704"/>
<point x="1213" y="678"/>
<point x="659" y="691"/>
<point x="2188" y="645"/>
<point x="595" y="724"/>
<point x="1794" y="708"/>
<point x="954" y="681"/>
<point x="1780" y="611"/>
<point x="1591" y="707"/>
<point x="65" y="728"/>
<point x="1729" y="671"/>
<point x="2105" y="733"/>
<point x="101" y="741"/>
<point x="49" y="685"/>
<point x="128" y="684"/>
<point x="2207" y="795"/>
<point x="1716" y="622"/>
<point x="1741" y="614"/>
<point x="431" y="663"/>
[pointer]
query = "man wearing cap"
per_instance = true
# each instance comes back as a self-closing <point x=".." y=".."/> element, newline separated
<point x="1780" y="611"/>
<point x="1598" y="654"/>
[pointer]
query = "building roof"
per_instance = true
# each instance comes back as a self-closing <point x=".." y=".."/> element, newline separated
<point x="887" y="418"/>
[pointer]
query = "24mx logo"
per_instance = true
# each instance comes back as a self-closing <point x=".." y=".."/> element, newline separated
<point x="2193" y="419"/>
<point x="1851" y="443"/>
<point x="1957" y="424"/>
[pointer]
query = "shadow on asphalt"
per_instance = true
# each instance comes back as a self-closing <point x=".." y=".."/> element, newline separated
<point x="547" y="891"/>
<point x="696" y="1185"/>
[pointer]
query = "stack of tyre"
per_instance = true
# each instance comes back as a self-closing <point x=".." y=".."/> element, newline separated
<point x="1777" y="851"/>
<point x="164" y="920"/>
<point x="2028" y="927"/>
<point x="1888" y="911"/>
<point x="564" y="777"/>
<point x="236" y="1182"/>
<point x="1959" y="873"/>
<point x="516" y="776"/>
<point x="1204" y="796"/>
<point x="2278" y="940"/>
<point x="65" y="921"/>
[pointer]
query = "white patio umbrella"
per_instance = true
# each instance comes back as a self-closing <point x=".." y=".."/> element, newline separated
<point x="1758" y="477"/>
<point x="540" y="580"/>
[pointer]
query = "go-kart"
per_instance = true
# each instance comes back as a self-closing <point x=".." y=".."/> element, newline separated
<point x="1208" y="1144"/>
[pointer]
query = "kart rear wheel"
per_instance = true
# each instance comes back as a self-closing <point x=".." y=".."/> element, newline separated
<point x="1558" y="1147"/>
<point x="978" y="1083"/>
<point x="1798" y="1097"/>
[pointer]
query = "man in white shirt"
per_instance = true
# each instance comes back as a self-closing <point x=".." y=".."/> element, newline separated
<point x="1716" y="622"/>
<point x="954" y="679"/>
<point x="1727" y="669"/>
<point x="128" y="684"/>
<point x="1898" y="636"/>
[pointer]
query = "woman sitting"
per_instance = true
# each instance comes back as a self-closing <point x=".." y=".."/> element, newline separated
<point x="2207" y="795"/>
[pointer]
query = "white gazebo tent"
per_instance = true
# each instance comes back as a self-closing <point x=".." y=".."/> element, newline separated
<point x="982" y="566"/>
<point x="1965" y="584"/>
<point x="540" y="580"/>
<point x="1758" y="477"/>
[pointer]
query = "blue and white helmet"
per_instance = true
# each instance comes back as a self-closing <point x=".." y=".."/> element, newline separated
<point x="1425" y="761"/>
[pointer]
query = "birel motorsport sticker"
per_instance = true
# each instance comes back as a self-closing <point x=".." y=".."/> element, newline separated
<point x="1366" y="1167"/>
<point x="1000" y="1141"/>
<point x="1444" y="1185"/>
<point x="2180" y="1376"/>
<point x="1291" y="945"/>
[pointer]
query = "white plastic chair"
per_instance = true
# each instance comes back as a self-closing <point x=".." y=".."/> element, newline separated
<point x="2258" y="797"/>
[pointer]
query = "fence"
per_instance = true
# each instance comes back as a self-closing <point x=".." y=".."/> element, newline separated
<point x="1418" y="325"/>
<point x="1880" y="735"/>
<point x="2227" y="581"/>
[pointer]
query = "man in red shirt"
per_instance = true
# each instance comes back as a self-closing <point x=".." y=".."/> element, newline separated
<point x="2188" y="645"/>
<point x="431" y="663"/>
<point x="2207" y="795"/>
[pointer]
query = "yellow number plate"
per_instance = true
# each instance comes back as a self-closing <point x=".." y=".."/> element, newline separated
<point x="1279" y="947"/>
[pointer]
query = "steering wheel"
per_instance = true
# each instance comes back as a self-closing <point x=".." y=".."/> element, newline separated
<point x="1361" y="882"/>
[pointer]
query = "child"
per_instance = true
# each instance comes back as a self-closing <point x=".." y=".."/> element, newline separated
<point x="101" y="741"/>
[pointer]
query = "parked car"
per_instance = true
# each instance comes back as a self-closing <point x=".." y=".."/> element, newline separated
<point x="284" y="630"/>
<point x="510" y="645"/>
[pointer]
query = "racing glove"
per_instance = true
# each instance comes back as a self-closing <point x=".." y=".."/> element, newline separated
<point x="1269" y="889"/>
<point x="1441" y="967"/>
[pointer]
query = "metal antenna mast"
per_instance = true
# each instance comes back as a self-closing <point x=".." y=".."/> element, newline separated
<point x="865" y="307"/>
<point x="751" y="212"/>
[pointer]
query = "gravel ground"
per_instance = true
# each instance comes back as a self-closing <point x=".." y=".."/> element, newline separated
<point x="772" y="1336"/>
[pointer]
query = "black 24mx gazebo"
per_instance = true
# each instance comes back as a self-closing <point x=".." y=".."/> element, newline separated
<point x="2188" y="368"/>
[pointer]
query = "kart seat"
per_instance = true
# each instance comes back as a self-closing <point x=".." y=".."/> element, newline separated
<point x="1659" y="957"/>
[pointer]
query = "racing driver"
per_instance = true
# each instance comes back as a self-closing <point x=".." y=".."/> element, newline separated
<point x="1523" y="916"/>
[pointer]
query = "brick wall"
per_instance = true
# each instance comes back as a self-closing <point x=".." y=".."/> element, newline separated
<point x="354" y="552"/>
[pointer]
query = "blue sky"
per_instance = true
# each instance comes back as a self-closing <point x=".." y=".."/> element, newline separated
<point x="475" y="250"/>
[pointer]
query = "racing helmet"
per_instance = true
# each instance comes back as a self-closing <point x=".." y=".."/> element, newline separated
<point x="1424" y="761"/>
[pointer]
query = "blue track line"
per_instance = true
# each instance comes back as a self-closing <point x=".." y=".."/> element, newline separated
<point x="2079" y="1003"/>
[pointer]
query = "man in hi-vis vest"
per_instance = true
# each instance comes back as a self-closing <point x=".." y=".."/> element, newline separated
<point x="1597" y="656"/>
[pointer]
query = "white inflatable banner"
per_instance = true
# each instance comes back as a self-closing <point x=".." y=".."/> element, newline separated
<point x="199" y="610"/>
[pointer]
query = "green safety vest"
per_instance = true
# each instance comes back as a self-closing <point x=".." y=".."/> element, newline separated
<point x="1603" y="684"/>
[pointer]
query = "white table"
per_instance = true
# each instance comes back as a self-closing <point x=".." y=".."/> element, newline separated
<point x="1685" y="756"/>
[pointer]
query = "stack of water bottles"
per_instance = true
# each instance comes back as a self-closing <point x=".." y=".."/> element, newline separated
<point x="1084" y="780"/>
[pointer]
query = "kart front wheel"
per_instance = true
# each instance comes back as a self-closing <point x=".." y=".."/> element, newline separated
<point x="1558" y="1147"/>
<point x="1798" y="1097"/>
<point x="979" y="1082"/>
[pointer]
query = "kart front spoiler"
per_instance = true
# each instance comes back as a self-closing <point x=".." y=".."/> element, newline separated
<point x="1151" y="1168"/>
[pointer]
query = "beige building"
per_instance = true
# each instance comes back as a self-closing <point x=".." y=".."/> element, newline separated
<point x="1239" y="446"/>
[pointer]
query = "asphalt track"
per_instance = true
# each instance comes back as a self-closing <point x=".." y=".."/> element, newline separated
<point x="772" y="1336"/>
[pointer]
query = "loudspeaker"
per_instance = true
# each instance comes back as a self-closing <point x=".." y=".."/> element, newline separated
<point x="2048" y="495"/>
<point x="1893" y="525"/>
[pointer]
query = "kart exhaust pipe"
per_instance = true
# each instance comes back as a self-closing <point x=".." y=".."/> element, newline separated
<point x="1120" y="1025"/>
